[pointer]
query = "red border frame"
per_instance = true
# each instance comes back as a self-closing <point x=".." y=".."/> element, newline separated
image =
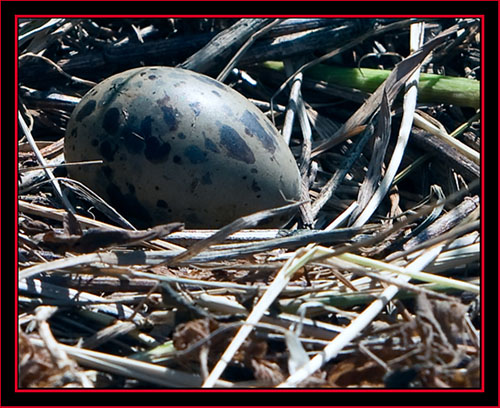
<point x="288" y="390"/>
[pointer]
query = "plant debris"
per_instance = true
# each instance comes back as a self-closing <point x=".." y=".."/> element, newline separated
<point x="375" y="282"/>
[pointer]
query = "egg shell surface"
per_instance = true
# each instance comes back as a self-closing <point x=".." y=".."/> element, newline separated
<point x="179" y="146"/>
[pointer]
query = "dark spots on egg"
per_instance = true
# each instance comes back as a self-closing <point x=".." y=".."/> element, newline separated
<point x="170" y="117"/>
<point x="161" y="204"/>
<point x="196" y="108"/>
<point x="271" y="129"/>
<point x="221" y="149"/>
<point x="227" y="110"/>
<point x="107" y="171"/>
<point x="194" y="184"/>
<point x="206" y="179"/>
<point x="163" y="101"/>
<point x="110" y="122"/>
<point x="254" y="128"/>
<point x="108" y="150"/>
<point x="86" y="110"/>
<point x="235" y="145"/>
<point x="133" y="142"/>
<point x="195" y="154"/>
<point x="146" y="126"/>
<point x="131" y="188"/>
<point x="156" y="152"/>
<point x="211" y="146"/>
<point x="180" y="83"/>
<point x="255" y="187"/>
<point x="128" y="204"/>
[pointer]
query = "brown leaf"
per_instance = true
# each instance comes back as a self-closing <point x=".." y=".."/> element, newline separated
<point x="187" y="334"/>
<point x="356" y="371"/>
<point x="190" y="334"/>
<point x="34" y="226"/>
<point x="267" y="372"/>
<point x="446" y="317"/>
<point x="71" y="225"/>
<point x="57" y="240"/>
<point x="95" y="238"/>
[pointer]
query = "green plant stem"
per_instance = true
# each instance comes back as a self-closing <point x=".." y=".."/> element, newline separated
<point x="432" y="88"/>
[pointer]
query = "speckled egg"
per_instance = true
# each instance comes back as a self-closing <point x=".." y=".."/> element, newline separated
<point x="179" y="146"/>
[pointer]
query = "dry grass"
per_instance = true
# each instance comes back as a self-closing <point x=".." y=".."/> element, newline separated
<point x="374" y="283"/>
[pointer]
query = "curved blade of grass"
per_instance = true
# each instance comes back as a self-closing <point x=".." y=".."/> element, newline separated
<point x="409" y="104"/>
<point x="419" y="275"/>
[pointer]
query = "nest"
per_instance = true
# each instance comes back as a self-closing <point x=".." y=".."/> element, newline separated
<point x="374" y="283"/>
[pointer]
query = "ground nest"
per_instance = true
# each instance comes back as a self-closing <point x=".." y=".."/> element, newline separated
<point x="374" y="282"/>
